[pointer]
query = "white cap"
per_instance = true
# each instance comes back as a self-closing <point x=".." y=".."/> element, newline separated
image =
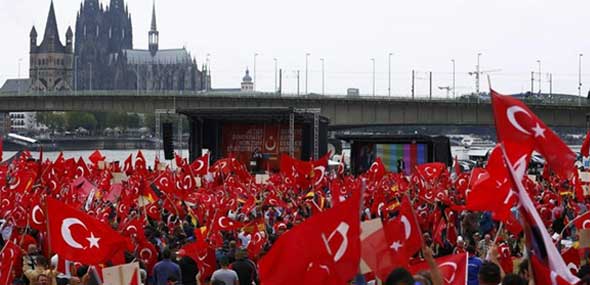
<point x="459" y="238"/>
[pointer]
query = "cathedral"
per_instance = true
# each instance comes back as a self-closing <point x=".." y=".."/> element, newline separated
<point x="104" y="58"/>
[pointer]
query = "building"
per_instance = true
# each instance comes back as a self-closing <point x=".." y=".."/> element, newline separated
<point x="22" y="122"/>
<point x="51" y="61"/>
<point x="106" y="60"/>
<point x="247" y="84"/>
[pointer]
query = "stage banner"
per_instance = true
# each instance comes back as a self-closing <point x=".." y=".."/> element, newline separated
<point x="259" y="145"/>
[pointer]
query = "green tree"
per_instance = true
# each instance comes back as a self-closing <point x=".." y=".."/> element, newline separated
<point x="116" y="119"/>
<point x="81" y="119"/>
<point x="133" y="121"/>
<point x="54" y="121"/>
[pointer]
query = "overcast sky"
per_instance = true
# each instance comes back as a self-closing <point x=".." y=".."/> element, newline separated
<point x="424" y="35"/>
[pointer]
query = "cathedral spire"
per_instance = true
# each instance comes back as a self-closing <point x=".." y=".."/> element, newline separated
<point x="153" y="33"/>
<point x="154" y="26"/>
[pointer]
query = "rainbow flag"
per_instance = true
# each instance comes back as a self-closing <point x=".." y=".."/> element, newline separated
<point x="411" y="154"/>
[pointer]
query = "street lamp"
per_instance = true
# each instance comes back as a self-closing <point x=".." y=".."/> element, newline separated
<point x="477" y="76"/>
<point x="323" y="77"/>
<point x="539" y="62"/>
<point x="276" y="64"/>
<point x="306" y="70"/>
<point x="254" y="81"/>
<point x="389" y="76"/>
<point x="454" y="94"/>
<point x="19" y="61"/>
<point x="580" y="78"/>
<point x="373" y="60"/>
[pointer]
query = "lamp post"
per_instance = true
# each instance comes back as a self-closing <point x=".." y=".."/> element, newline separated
<point x="90" y="66"/>
<point x="389" y="76"/>
<point x="454" y="94"/>
<point x="254" y="81"/>
<point x="19" y="61"/>
<point x="323" y="77"/>
<point x="580" y="78"/>
<point x="276" y="65"/>
<point x="306" y="70"/>
<point x="539" y="63"/>
<point x="373" y="60"/>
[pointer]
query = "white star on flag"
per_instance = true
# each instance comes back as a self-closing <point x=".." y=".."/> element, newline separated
<point x="93" y="240"/>
<point x="539" y="132"/>
<point x="396" y="245"/>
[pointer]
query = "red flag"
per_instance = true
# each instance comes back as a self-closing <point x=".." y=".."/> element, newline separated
<point x="431" y="171"/>
<point x="453" y="268"/>
<point x="457" y="166"/>
<point x="585" y="150"/>
<point x="377" y="253"/>
<point x="78" y="237"/>
<point x="140" y="164"/>
<point x="128" y="165"/>
<point x="325" y="249"/>
<point x="135" y="278"/>
<point x="201" y="165"/>
<point x="96" y="157"/>
<point x="571" y="257"/>
<point x="37" y="218"/>
<point x="410" y="235"/>
<point x="516" y="123"/>
<point x="377" y="170"/>
<point x="544" y="276"/>
<point x="8" y="257"/>
<point x="582" y="221"/>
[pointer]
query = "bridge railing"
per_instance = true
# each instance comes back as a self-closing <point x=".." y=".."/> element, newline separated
<point x="559" y="100"/>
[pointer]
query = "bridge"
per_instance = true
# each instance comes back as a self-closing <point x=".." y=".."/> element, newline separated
<point x="342" y="111"/>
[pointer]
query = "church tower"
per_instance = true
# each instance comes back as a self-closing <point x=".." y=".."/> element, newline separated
<point x="153" y="33"/>
<point x="50" y="62"/>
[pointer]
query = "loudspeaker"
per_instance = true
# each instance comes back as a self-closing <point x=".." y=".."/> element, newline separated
<point x="167" y="138"/>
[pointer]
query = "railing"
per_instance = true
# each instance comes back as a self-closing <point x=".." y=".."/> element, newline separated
<point x="556" y="100"/>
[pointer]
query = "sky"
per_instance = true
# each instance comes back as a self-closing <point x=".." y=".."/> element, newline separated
<point x="422" y="35"/>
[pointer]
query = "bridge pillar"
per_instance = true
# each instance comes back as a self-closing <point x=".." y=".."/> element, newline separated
<point x="195" y="141"/>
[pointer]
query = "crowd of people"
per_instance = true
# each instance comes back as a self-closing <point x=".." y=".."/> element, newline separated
<point x="213" y="224"/>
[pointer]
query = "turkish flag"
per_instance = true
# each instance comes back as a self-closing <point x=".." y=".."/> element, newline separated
<point x="431" y="171"/>
<point x="201" y="165"/>
<point x="377" y="254"/>
<point x="325" y="249"/>
<point x="377" y="170"/>
<point x="128" y="165"/>
<point x="81" y="169"/>
<point x="8" y="257"/>
<point x="572" y="260"/>
<point x="544" y="276"/>
<point x="585" y="150"/>
<point x="493" y="190"/>
<point x="37" y="218"/>
<point x="409" y="235"/>
<point x="140" y="164"/>
<point x="203" y="255"/>
<point x="582" y="221"/>
<point x="453" y="268"/>
<point x="76" y="236"/>
<point x="147" y="253"/>
<point x="96" y="157"/>
<point x="516" y="123"/>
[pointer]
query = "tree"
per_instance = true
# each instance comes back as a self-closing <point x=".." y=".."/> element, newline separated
<point x="81" y="119"/>
<point x="133" y="121"/>
<point x="53" y="120"/>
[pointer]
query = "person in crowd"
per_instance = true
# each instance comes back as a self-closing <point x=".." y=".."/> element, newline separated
<point x="228" y="276"/>
<point x="484" y="245"/>
<point x="400" y="276"/>
<point x="165" y="269"/>
<point x="460" y="247"/>
<point x="514" y="279"/>
<point x="474" y="264"/>
<point x="188" y="268"/>
<point x="245" y="268"/>
<point x="489" y="274"/>
<point x="40" y="272"/>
